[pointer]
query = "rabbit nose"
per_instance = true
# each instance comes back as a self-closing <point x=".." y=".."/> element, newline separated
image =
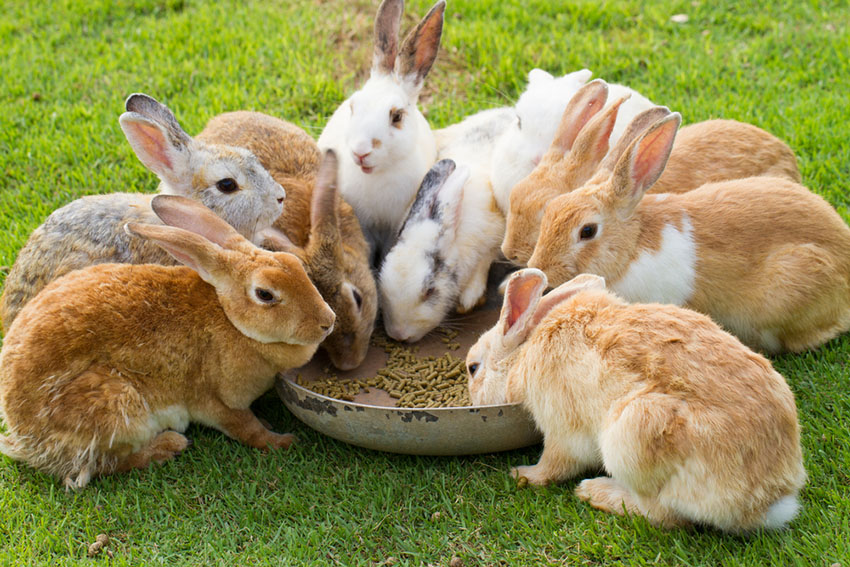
<point x="280" y="199"/>
<point x="361" y="157"/>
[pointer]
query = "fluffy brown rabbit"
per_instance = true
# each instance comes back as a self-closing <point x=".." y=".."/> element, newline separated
<point x="104" y="369"/>
<point x="316" y="224"/>
<point x="691" y="425"/>
<point x="705" y="152"/>
<point x="228" y="180"/>
<point x="763" y="256"/>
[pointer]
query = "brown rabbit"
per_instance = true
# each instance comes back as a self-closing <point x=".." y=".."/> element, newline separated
<point x="763" y="256"/>
<point x="103" y="370"/>
<point x="316" y="224"/>
<point x="714" y="150"/>
<point x="689" y="424"/>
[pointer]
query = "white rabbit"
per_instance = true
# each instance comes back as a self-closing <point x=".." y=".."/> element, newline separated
<point x="539" y="110"/>
<point x="691" y="425"/>
<point x="384" y="143"/>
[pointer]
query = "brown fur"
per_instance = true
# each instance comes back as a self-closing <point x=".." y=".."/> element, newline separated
<point x="334" y="257"/>
<point x="772" y="257"/>
<point x="98" y="364"/>
<point x="692" y="426"/>
<point x="710" y="151"/>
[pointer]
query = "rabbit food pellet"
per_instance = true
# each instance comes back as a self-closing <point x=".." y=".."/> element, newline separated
<point x="414" y="381"/>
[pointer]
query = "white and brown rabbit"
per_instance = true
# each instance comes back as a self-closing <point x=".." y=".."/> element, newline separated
<point x="384" y="143"/>
<point x="763" y="256"/>
<point x="714" y="150"/>
<point x="690" y="425"/>
<point x="316" y="224"/>
<point x="104" y="369"/>
<point x="228" y="180"/>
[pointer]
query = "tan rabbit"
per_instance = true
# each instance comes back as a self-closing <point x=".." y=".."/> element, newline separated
<point x="105" y="368"/>
<point x="90" y="230"/>
<point x="763" y="256"/>
<point x="316" y="224"/>
<point x="691" y="425"/>
<point x="714" y="150"/>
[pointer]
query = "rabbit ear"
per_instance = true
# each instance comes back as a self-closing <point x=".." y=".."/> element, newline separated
<point x="638" y="124"/>
<point x="591" y="145"/>
<point x="190" y="215"/>
<point x="450" y="200"/>
<point x="563" y="292"/>
<point x="387" y="22"/>
<point x="643" y="163"/>
<point x="582" y="107"/>
<point x="274" y="239"/>
<point x="158" y="140"/>
<point x="425" y="204"/>
<point x="420" y="47"/>
<point x="324" y="221"/>
<point x="188" y="248"/>
<point x="522" y="295"/>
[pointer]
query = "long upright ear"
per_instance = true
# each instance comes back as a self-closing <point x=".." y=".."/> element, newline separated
<point x="582" y="107"/>
<point x="643" y="163"/>
<point x="638" y="124"/>
<point x="158" y="140"/>
<point x="387" y="22"/>
<point x="565" y="291"/>
<point x="425" y="204"/>
<point x="450" y="200"/>
<point x="188" y="248"/>
<point x="324" y="220"/>
<point x="525" y="287"/>
<point x="420" y="47"/>
<point x="591" y="145"/>
<point x="190" y="215"/>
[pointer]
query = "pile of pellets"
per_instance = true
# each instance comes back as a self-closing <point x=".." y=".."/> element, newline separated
<point x="414" y="381"/>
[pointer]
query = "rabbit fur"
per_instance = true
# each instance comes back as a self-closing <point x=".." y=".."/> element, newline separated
<point x="689" y="424"/>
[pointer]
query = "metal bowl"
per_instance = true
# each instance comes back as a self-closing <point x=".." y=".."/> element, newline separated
<point x="372" y="421"/>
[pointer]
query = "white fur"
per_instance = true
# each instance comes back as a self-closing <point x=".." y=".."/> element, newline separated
<point x="667" y="275"/>
<point x="781" y="512"/>
<point x="475" y="244"/>
<point x="540" y="109"/>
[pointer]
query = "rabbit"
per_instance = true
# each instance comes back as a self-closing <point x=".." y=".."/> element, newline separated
<point x="522" y="145"/>
<point x="104" y="369"/>
<point x="316" y="225"/>
<point x="228" y="180"/>
<point x="763" y="256"/>
<point x="714" y="150"/>
<point x="384" y="143"/>
<point x="691" y="425"/>
<point x="451" y="234"/>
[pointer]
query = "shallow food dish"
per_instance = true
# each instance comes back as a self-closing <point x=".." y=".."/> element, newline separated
<point x="373" y="421"/>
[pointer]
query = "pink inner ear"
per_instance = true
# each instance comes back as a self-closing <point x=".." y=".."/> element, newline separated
<point x="651" y="157"/>
<point x="153" y="141"/>
<point x="519" y="298"/>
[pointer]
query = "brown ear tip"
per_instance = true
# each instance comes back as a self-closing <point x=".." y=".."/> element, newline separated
<point x="131" y="228"/>
<point x="135" y="100"/>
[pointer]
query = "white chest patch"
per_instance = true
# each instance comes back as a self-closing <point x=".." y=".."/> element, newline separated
<point x="665" y="275"/>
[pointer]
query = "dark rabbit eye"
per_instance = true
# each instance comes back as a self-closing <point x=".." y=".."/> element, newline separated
<point x="429" y="293"/>
<point x="472" y="368"/>
<point x="396" y="117"/>
<point x="358" y="299"/>
<point x="588" y="231"/>
<point x="227" y="185"/>
<point x="264" y="295"/>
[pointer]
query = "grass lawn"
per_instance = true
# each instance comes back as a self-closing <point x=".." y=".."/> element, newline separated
<point x="66" y="69"/>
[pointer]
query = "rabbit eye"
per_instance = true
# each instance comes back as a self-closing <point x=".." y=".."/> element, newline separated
<point x="358" y="299"/>
<point x="429" y="293"/>
<point x="396" y="116"/>
<point x="473" y="368"/>
<point x="587" y="232"/>
<point x="264" y="295"/>
<point x="227" y="185"/>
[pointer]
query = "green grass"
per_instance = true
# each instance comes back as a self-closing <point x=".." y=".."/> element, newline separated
<point x="66" y="69"/>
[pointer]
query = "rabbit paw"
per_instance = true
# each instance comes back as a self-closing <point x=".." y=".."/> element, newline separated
<point x="535" y="475"/>
<point x="607" y="495"/>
